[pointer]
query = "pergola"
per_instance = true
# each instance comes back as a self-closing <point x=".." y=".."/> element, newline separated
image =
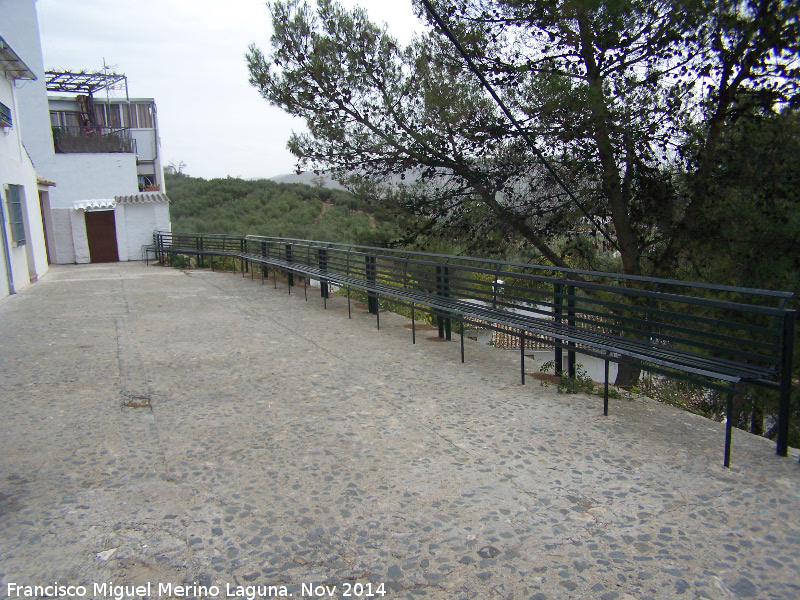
<point x="82" y="82"/>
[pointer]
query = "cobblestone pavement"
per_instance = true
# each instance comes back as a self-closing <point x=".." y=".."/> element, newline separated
<point x="201" y="428"/>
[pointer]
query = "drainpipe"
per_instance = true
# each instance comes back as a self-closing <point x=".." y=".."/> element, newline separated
<point x="6" y="251"/>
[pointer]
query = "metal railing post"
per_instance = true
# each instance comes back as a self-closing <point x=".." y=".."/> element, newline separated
<point x="728" y="427"/>
<point x="264" y="270"/>
<point x="347" y="273"/>
<point x="439" y="318"/>
<point x="305" y="276"/>
<point x="322" y="261"/>
<point x="372" y="275"/>
<point x="494" y="287"/>
<point x="443" y="290"/>
<point x="446" y="294"/>
<point x="785" y="404"/>
<point x="559" y="352"/>
<point x="289" y="275"/>
<point x="605" y="385"/>
<point x="571" y="323"/>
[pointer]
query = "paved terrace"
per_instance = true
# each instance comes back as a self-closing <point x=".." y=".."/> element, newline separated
<point x="168" y="427"/>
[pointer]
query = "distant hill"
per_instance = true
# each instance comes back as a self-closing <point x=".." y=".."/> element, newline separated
<point x="308" y="178"/>
<point x="268" y="207"/>
<point x="322" y="181"/>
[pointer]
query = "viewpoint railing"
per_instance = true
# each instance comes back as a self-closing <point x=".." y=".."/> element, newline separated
<point x="718" y="335"/>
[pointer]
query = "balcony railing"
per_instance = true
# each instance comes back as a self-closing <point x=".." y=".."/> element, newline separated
<point x="94" y="140"/>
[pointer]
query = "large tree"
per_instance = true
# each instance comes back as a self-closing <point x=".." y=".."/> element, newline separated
<point x="627" y="99"/>
<point x="755" y="214"/>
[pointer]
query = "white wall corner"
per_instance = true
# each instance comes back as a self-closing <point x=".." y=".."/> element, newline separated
<point x="62" y="236"/>
<point x="80" y="241"/>
<point x="120" y="221"/>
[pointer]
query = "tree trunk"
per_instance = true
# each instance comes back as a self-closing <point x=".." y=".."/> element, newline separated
<point x="627" y="375"/>
<point x="740" y="415"/>
<point x="757" y="416"/>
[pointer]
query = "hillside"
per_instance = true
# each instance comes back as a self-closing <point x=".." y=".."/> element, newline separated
<point x="309" y="179"/>
<point x="265" y="207"/>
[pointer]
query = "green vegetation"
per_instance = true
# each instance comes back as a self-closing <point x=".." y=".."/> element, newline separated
<point x="264" y="207"/>
<point x="178" y="261"/>
<point x="580" y="384"/>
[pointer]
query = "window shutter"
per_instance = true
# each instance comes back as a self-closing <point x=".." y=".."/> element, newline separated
<point x="14" y="202"/>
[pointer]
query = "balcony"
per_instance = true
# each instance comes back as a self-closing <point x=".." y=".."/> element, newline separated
<point x="93" y="140"/>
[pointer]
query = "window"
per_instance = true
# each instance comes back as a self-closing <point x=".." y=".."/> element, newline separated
<point x="115" y="115"/>
<point x="128" y="115"/>
<point x="114" y="119"/>
<point x="108" y="115"/>
<point x="14" y="202"/>
<point x="147" y="181"/>
<point x="64" y="118"/>
<point x="144" y="112"/>
<point x="5" y="116"/>
<point x="69" y="118"/>
<point x="100" y="114"/>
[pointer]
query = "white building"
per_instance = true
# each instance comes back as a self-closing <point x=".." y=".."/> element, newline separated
<point x="103" y="153"/>
<point x="23" y="252"/>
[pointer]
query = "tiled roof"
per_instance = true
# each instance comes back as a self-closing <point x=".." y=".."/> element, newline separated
<point x="142" y="198"/>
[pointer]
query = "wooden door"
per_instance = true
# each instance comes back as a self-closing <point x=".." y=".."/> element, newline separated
<point x="101" y="231"/>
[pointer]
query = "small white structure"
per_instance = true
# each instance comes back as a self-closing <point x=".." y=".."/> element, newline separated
<point x="103" y="152"/>
<point x="23" y="253"/>
<point x="116" y="229"/>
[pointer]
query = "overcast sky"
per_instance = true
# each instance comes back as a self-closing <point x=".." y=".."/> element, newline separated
<point x="189" y="56"/>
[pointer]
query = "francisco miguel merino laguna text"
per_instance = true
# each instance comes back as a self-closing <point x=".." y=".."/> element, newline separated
<point x="170" y="590"/>
<point x="127" y="591"/>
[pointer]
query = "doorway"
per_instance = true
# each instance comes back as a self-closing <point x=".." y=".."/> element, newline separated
<point x="101" y="232"/>
<point x="44" y="198"/>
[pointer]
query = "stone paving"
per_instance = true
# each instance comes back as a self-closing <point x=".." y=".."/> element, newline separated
<point x="203" y="429"/>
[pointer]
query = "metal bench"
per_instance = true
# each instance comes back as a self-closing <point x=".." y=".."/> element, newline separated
<point x="719" y="335"/>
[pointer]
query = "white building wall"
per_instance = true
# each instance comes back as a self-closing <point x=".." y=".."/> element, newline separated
<point x="88" y="177"/>
<point x="146" y="138"/>
<point x="19" y="26"/>
<point x="59" y="103"/>
<point x="28" y="261"/>
<point x="121" y="223"/>
<point x="145" y="143"/>
<point x="141" y="220"/>
<point x="62" y="252"/>
<point x="77" y="176"/>
<point x="92" y="177"/>
<point x="47" y="216"/>
<point x="4" y="291"/>
<point x="163" y="222"/>
<point x="80" y="242"/>
<point x="36" y="247"/>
